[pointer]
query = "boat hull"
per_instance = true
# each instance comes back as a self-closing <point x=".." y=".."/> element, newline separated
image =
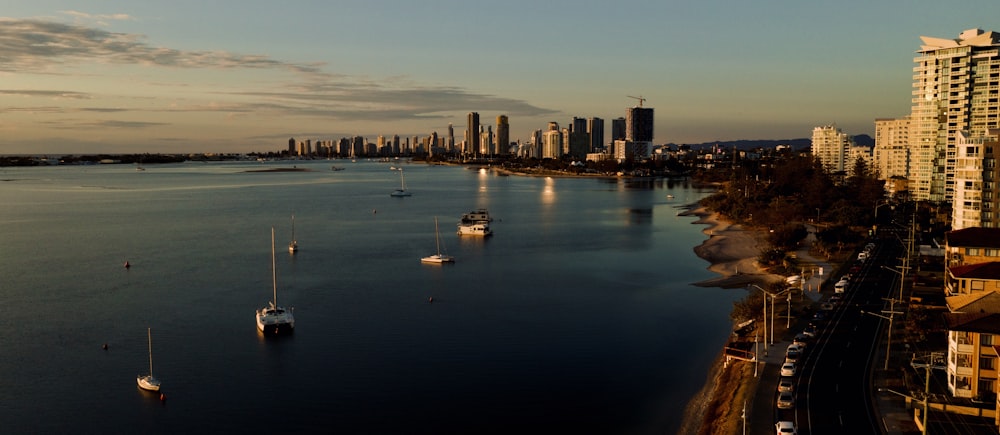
<point x="272" y="321"/>
<point x="474" y="230"/>
<point x="148" y="383"/>
<point x="438" y="259"/>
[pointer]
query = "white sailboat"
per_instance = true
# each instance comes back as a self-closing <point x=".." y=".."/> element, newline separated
<point x="148" y="382"/>
<point x="439" y="257"/>
<point x="402" y="186"/>
<point x="274" y="319"/>
<point x="293" y="246"/>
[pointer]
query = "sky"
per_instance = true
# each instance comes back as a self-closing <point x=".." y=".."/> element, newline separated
<point x="233" y="76"/>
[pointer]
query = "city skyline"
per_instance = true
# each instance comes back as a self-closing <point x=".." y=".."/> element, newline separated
<point x="245" y="76"/>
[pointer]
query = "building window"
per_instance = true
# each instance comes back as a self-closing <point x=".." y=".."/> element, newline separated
<point x="986" y="339"/>
<point x="963" y="360"/>
<point x="978" y="284"/>
<point x="971" y="251"/>
<point x="962" y="337"/>
<point x="987" y="363"/>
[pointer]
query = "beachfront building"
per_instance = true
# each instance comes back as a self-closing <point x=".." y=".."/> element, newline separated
<point x="891" y="155"/>
<point x="973" y="323"/>
<point x="832" y="147"/>
<point x="971" y="246"/>
<point x="956" y="88"/>
<point x="552" y="142"/>
<point x="976" y="201"/>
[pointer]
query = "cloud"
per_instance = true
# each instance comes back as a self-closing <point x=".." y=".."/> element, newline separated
<point x="35" y="46"/>
<point x="28" y="45"/>
<point x="45" y="93"/>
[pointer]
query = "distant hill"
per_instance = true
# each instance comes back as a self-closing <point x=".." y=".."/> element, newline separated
<point x="796" y="144"/>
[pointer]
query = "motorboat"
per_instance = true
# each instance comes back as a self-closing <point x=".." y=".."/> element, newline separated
<point x="439" y="257"/>
<point x="275" y="319"/>
<point x="148" y="382"/>
<point x="475" y="223"/>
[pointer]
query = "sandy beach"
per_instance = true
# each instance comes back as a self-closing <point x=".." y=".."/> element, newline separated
<point x="732" y="252"/>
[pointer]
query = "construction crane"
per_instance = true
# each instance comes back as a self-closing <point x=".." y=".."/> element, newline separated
<point x="638" y="98"/>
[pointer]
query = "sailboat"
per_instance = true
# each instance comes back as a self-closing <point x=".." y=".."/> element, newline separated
<point x="439" y="257"/>
<point x="402" y="186"/>
<point x="293" y="246"/>
<point x="274" y="319"/>
<point x="148" y="382"/>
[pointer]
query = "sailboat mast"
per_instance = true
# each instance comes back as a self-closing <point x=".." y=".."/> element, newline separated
<point x="149" y="340"/>
<point x="274" y="272"/>
<point x="437" y="235"/>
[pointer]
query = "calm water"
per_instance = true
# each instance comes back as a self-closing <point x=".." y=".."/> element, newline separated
<point x="576" y="316"/>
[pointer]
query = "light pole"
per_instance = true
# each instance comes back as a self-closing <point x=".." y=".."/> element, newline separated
<point x="888" y="341"/>
<point x="902" y="279"/>
<point x="764" y="320"/>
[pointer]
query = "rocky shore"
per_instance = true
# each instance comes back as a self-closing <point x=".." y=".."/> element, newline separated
<point x="732" y="252"/>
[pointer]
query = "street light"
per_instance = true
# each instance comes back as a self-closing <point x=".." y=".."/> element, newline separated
<point x="764" y="320"/>
<point x="773" y="295"/>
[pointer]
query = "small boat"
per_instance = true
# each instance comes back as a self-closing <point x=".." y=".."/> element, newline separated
<point x="148" y="382"/>
<point x="475" y="223"/>
<point x="439" y="257"/>
<point x="274" y="319"/>
<point x="401" y="192"/>
<point x="670" y="197"/>
<point x="293" y="246"/>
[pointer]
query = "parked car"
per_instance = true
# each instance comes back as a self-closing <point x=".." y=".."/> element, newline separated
<point x="840" y="286"/>
<point x="786" y="385"/>
<point x="810" y="330"/>
<point x="786" y="400"/>
<point x="788" y="369"/>
<point x="826" y="306"/>
<point x="800" y="341"/>
<point x="785" y="428"/>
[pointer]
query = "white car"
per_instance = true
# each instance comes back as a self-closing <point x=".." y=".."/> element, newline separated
<point x="785" y="428"/>
<point x="788" y="369"/>
<point x="786" y="400"/>
<point x="786" y="385"/>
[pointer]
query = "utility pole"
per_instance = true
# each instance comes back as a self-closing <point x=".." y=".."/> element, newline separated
<point x="888" y="342"/>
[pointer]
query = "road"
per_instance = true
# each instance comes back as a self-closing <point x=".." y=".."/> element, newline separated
<point x="834" y="378"/>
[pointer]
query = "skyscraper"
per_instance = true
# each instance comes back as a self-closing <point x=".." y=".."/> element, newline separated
<point x="831" y="146"/>
<point x="472" y="133"/>
<point x="503" y="134"/>
<point x="595" y="128"/>
<point x="639" y="124"/>
<point x="955" y="84"/>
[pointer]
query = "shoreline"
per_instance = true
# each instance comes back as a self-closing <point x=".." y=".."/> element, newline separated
<point x="732" y="253"/>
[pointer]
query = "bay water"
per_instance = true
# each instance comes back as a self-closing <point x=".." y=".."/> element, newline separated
<point x="577" y="315"/>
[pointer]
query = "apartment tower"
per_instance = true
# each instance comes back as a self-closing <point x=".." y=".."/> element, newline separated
<point x="955" y="89"/>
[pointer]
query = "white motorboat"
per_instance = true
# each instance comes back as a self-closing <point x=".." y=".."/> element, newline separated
<point x="439" y="257"/>
<point x="274" y="319"/>
<point x="148" y="382"/>
<point x="293" y="246"/>
<point x="401" y="192"/>
<point x="475" y="223"/>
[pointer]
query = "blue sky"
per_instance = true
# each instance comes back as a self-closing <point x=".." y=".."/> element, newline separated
<point x="241" y="76"/>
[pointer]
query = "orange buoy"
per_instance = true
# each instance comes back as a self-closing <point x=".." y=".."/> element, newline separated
<point x="163" y="397"/>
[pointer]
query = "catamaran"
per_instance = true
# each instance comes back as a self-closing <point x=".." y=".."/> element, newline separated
<point x="439" y="257"/>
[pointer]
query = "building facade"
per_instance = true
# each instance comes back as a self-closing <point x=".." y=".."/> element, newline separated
<point x="503" y="135"/>
<point x="891" y="155"/>
<point x="955" y="89"/>
<point x="832" y="147"/>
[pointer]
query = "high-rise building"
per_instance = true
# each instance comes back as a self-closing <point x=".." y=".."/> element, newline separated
<point x="472" y="132"/>
<point x="291" y="146"/>
<point x="618" y="129"/>
<point x="552" y="142"/>
<point x="503" y="134"/>
<point x="892" y="148"/>
<point x="976" y="201"/>
<point x="595" y="128"/>
<point x="832" y="147"/>
<point x="955" y="89"/>
<point x="639" y="124"/>
<point x="450" y="145"/>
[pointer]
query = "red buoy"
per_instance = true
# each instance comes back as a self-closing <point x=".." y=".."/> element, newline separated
<point x="127" y="265"/>
<point x="163" y="397"/>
